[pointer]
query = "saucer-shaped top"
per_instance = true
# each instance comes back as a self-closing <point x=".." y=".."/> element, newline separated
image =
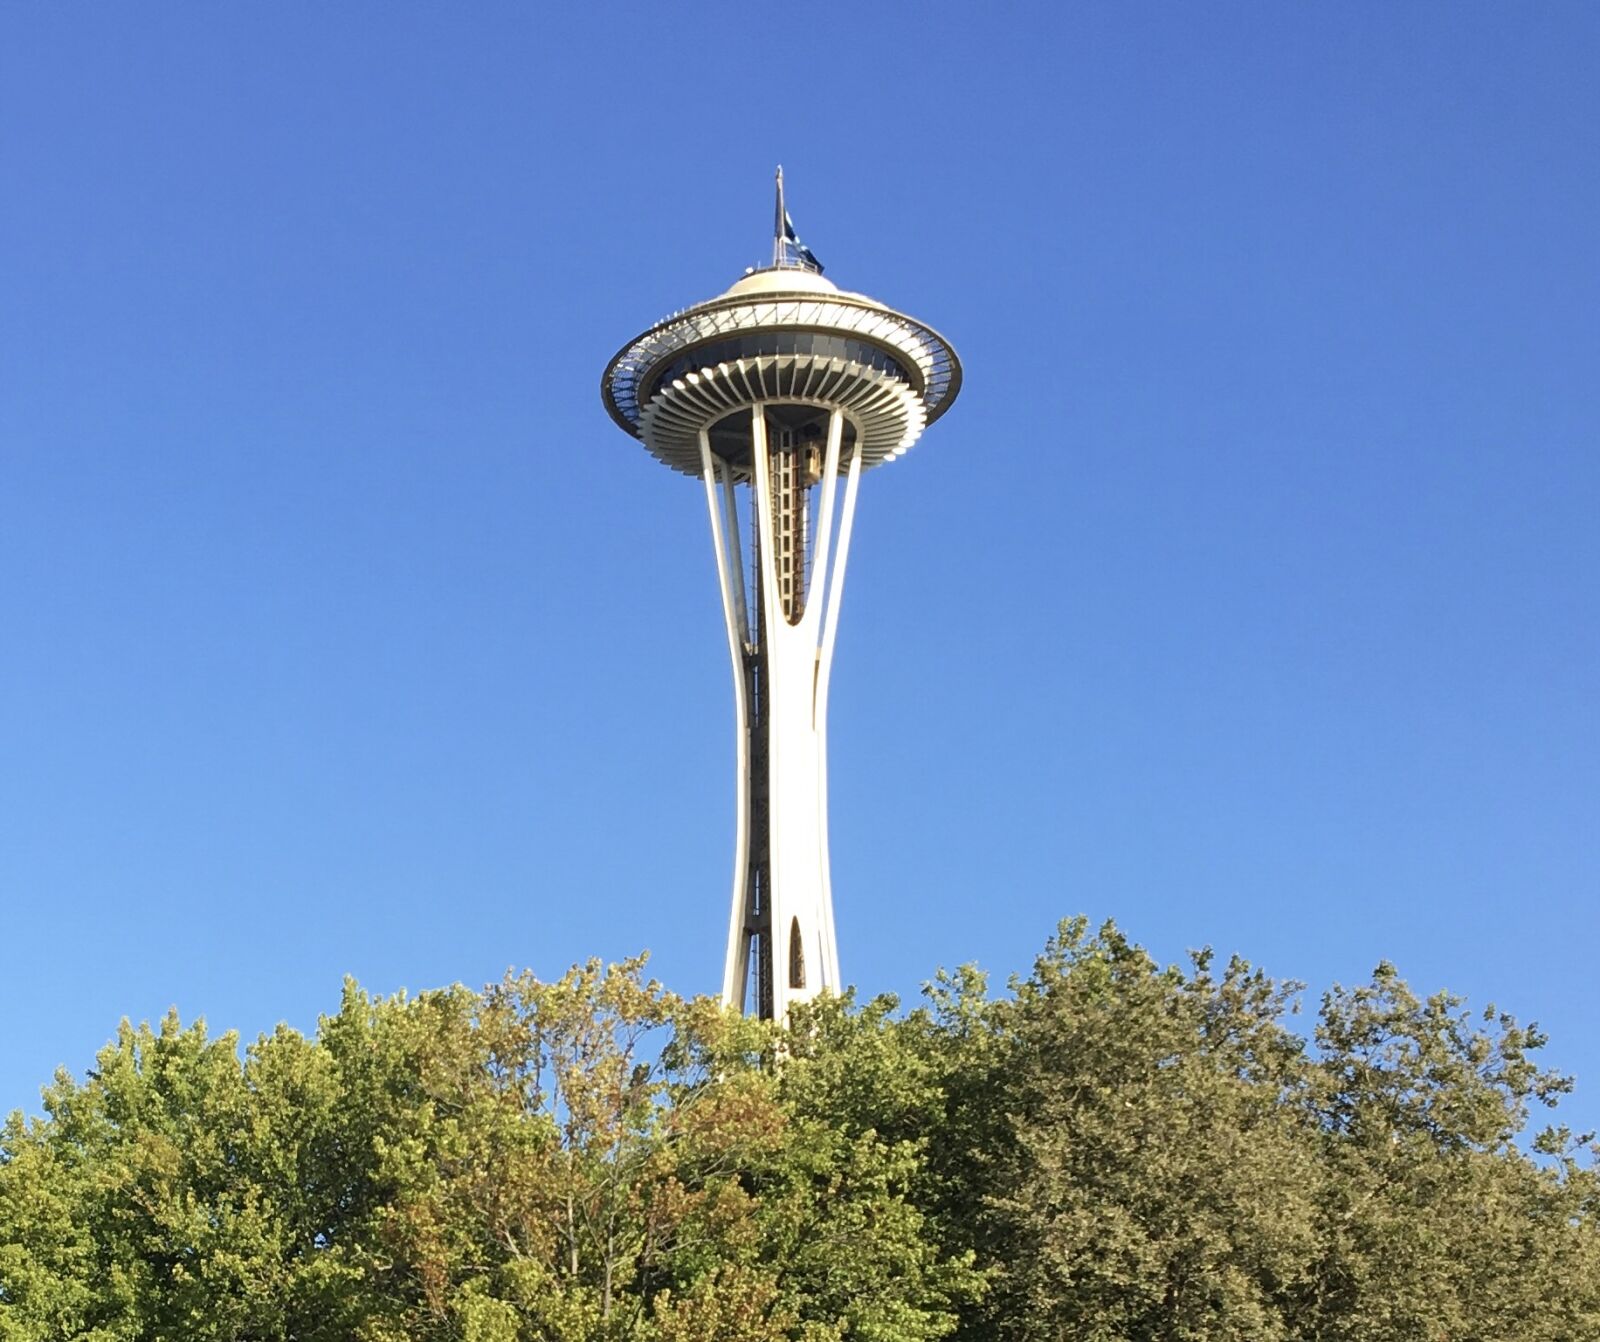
<point x="782" y="333"/>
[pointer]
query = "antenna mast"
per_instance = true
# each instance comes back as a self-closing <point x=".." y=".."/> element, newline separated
<point x="780" y="220"/>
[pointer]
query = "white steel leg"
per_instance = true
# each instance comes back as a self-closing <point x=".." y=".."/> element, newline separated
<point x="830" y="629"/>
<point x="736" y="967"/>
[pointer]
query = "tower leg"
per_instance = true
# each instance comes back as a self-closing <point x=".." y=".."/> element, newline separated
<point x="730" y="576"/>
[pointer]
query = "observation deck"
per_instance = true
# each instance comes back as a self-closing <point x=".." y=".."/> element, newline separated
<point x="781" y="334"/>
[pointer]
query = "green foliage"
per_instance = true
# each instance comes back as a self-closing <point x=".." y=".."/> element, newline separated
<point x="587" y="1159"/>
<point x="1112" y="1150"/>
<point x="1149" y="1153"/>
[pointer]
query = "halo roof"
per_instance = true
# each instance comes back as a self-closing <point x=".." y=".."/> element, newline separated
<point x="781" y="298"/>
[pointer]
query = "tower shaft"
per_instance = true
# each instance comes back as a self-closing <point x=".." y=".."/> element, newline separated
<point x="781" y="625"/>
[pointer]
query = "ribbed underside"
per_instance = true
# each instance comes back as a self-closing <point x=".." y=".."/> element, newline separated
<point x="886" y="414"/>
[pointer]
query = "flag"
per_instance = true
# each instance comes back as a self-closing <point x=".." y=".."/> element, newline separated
<point x="787" y="247"/>
<point x="807" y="257"/>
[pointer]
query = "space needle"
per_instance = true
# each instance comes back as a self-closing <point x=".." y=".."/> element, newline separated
<point x="778" y="394"/>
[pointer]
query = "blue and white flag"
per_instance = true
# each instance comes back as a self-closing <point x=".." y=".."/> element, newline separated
<point x="787" y="249"/>
<point x="804" y="254"/>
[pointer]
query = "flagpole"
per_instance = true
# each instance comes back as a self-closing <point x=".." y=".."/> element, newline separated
<point x="777" y="224"/>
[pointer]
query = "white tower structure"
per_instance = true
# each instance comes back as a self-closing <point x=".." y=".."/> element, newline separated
<point x="778" y="394"/>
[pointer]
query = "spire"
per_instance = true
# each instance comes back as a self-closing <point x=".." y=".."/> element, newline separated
<point x="780" y="227"/>
<point x="787" y="249"/>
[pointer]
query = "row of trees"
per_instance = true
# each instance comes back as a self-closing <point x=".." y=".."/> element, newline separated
<point x="1111" y="1150"/>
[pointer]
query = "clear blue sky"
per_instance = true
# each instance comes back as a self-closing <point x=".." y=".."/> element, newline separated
<point x="1248" y="595"/>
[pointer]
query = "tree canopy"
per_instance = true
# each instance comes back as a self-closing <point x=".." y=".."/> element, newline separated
<point x="1111" y="1149"/>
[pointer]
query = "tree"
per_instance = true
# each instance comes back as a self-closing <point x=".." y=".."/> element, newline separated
<point x="1141" y="1175"/>
<point x="1432" y="1222"/>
